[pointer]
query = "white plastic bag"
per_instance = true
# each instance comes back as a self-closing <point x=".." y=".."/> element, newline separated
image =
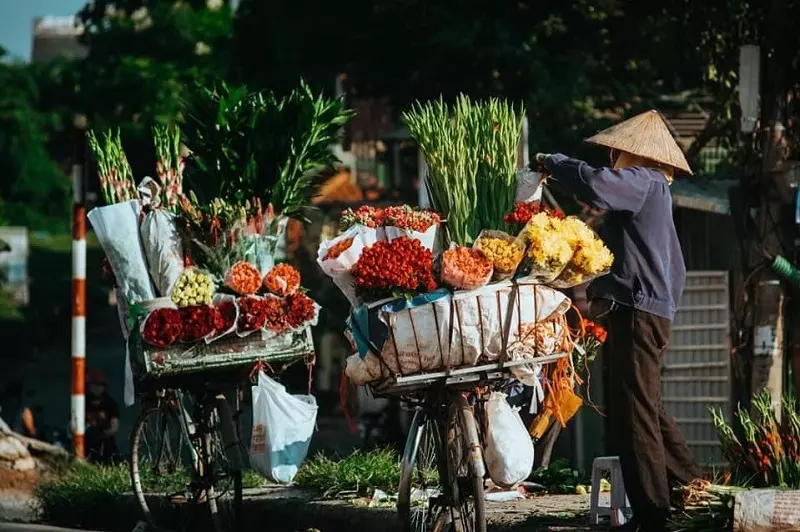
<point x="282" y="428"/>
<point x="529" y="185"/>
<point x="509" y="448"/>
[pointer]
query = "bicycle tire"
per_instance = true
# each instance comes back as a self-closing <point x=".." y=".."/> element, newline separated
<point x="226" y="521"/>
<point x="425" y="429"/>
<point x="464" y="418"/>
<point x="422" y="427"/>
<point x="137" y="462"/>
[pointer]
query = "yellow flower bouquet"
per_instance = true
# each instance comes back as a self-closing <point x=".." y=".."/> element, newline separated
<point x="548" y="251"/>
<point x="504" y="250"/>
<point x="590" y="259"/>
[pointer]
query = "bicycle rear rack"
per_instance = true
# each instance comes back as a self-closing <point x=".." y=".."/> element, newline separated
<point x="460" y="376"/>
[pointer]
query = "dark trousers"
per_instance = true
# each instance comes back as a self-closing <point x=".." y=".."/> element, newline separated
<point x="651" y="449"/>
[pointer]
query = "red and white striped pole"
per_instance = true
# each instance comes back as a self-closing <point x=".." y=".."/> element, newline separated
<point x="78" y="402"/>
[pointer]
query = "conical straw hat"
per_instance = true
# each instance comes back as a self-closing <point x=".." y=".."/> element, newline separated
<point x="646" y="135"/>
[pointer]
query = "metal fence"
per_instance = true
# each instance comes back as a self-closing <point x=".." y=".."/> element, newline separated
<point x="697" y="372"/>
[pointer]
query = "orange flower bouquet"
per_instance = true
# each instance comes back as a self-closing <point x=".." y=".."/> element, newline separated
<point x="282" y="280"/>
<point x="466" y="268"/>
<point x="243" y="278"/>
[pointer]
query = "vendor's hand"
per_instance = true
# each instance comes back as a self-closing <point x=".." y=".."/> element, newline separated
<point x="540" y="157"/>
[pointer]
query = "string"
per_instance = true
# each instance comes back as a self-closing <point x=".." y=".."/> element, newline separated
<point x="344" y="403"/>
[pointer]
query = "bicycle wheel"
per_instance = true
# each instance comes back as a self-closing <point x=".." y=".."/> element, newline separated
<point x="417" y="498"/>
<point x="162" y="464"/>
<point x="465" y="467"/>
<point x="439" y="447"/>
<point x="222" y="466"/>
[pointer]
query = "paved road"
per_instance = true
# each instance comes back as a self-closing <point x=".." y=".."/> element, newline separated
<point x="15" y="527"/>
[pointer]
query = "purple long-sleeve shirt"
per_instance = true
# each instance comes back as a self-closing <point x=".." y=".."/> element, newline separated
<point x="648" y="273"/>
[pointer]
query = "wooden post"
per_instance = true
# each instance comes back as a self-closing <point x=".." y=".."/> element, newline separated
<point x="78" y="351"/>
<point x="768" y="335"/>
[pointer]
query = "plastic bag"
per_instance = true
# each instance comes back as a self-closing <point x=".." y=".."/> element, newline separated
<point x="259" y="249"/>
<point x="117" y="229"/>
<point x="465" y="268"/>
<point x="161" y="241"/>
<point x="509" y="449"/>
<point x="282" y="429"/>
<point x="529" y="185"/>
<point x="504" y="250"/>
<point x="427" y="238"/>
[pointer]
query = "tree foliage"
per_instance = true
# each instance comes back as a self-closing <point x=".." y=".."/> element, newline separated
<point x="33" y="188"/>
<point x="576" y="66"/>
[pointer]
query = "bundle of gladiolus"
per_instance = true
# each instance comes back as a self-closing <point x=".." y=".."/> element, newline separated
<point x="766" y="452"/>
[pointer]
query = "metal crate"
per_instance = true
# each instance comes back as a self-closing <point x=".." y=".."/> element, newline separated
<point x="229" y="353"/>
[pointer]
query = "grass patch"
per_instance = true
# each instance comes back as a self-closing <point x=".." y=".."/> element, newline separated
<point x="358" y="474"/>
<point x="82" y="495"/>
<point x="251" y="479"/>
<point x="73" y="495"/>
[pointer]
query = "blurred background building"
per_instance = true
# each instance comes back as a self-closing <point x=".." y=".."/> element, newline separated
<point x="55" y="37"/>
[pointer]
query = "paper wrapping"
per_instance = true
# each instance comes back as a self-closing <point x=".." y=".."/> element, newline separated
<point x="117" y="229"/>
<point x="338" y="269"/>
<point x="161" y="240"/>
<point x="426" y="238"/>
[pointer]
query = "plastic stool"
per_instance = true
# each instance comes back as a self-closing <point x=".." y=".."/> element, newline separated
<point x="619" y="499"/>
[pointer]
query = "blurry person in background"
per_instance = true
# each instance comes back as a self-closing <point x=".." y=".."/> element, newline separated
<point x="102" y="420"/>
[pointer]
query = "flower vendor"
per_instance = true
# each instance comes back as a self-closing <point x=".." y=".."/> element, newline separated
<point x="102" y="420"/>
<point x="637" y="300"/>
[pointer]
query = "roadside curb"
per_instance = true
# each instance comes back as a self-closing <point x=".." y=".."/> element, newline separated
<point x="294" y="510"/>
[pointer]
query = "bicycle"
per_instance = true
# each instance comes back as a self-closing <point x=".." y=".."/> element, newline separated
<point x="443" y="454"/>
<point x="186" y="452"/>
<point x="186" y="449"/>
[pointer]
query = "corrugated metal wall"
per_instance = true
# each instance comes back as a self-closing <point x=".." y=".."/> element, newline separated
<point x="696" y="375"/>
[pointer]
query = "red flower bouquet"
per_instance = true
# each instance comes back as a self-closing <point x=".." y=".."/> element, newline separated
<point x="252" y="314"/>
<point x="198" y="322"/>
<point x="162" y="327"/>
<point x="525" y="210"/>
<point x="282" y="280"/>
<point x="300" y="310"/>
<point x="225" y="315"/>
<point x="365" y="215"/>
<point x="596" y="330"/>
<point x="400" y="265"/>
<point x="404" y="217"/>
<point x="276" y="317"/>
